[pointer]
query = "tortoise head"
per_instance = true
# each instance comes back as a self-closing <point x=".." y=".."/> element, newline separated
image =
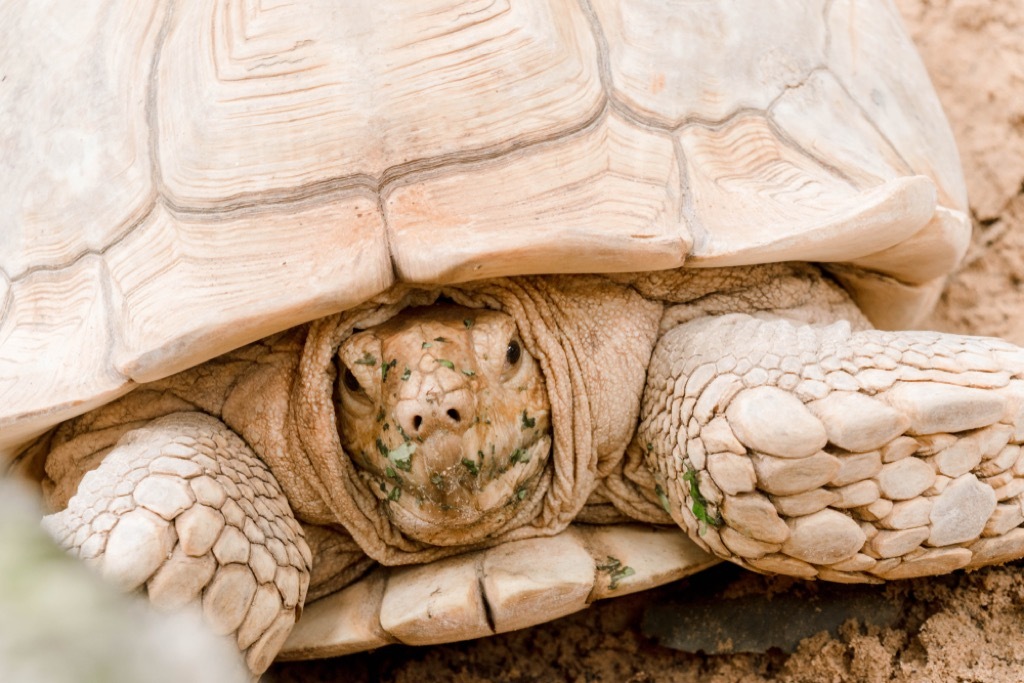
<point x="444" y="412"/>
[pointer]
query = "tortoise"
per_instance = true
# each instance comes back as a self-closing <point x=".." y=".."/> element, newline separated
<point x="290" y="291"/>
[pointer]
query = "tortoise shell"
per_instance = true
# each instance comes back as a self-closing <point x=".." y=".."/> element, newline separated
<point x="185" y="178"/>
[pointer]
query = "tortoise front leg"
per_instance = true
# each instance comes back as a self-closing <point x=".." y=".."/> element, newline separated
<point x="185" y="509"/>
<point x="819" y="451"/>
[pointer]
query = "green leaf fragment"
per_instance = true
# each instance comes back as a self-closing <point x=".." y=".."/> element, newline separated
<point x="395" y="494"/>
<point x="382" y="448"/>
<point x="380" y="415"/>
<point x="426" y="345"/>
<point x="528" y="422"/>
<point x="402" y="456"/>
<point x="700" y="503"/>
<point x="436" y="479"/>
<point x="473" y="468"/>
<point x="519" y="455"/>
<point x="447" y="363"/>
<point x="616" y="572"/>
<point x="406" y="374"/>
<point x="468" y="373"/>
<point x="442" y="340"/>
<point x="367" y="359"/>
<point x="521" y="493"/>
<point x="468" y="322"/>
<point x="389" y="473"/>
<point x="662" y="498"/>
<point x="385" y="368"/>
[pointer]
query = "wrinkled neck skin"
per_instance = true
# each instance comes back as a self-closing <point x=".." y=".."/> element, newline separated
<point x="459" y="443"/>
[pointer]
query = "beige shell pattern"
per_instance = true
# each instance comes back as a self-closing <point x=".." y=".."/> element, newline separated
<point x="185" y="178"/>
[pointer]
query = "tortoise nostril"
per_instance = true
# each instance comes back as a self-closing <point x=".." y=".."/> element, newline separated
<point x="454" y="415"/>
<point x="416" y="422"/>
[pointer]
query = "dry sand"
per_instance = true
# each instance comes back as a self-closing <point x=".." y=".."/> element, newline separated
<point x="963" y="627"/>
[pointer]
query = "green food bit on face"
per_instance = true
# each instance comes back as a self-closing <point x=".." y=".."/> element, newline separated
<point x="447" y="363"/>
<point x="468" y="322"/>
<point x="519" y="455"/>
<point x="521" y="493"/>
<point x="436" y="479"/>
<point x="528" y="421"/>
<point x="386" y="427"/>
<point x="382" y="448"/>
<point x="380" y="415"/>
<point x="389" y="473"/>
<point x="426" y="345"/>
<point x="402" y="456"/>
<point x="385" y="368"/>
<point x="395" y="494"/>
<point x="662" y="498"/>
<point x="367" y="359"/>
<point x="471" y="466"/>
<point x="650" y="446"/>
<point x="442" y="340"/>
<point x="700" y="504"/>
<point x="468" y="373"/>
<point x="616" y="572"/>
<point x="406" y="375"/>
<point x="383" y="486"/>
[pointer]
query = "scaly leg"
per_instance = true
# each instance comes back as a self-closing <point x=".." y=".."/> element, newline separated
<point x="854" y="456"/>
<point x="185" y="509"/>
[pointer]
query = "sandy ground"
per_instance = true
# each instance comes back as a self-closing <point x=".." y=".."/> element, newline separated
<point x="964" y="627"/>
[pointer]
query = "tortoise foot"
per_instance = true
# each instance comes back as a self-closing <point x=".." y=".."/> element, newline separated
<point x="183" y="508"/>
<point x="820" y="452"/>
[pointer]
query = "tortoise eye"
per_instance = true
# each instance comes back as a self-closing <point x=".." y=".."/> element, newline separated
<point x="513" y="353"/>
<point x="351" y="383"/>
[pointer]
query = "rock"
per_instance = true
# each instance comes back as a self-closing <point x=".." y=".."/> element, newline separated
<point x="773" y="421"/>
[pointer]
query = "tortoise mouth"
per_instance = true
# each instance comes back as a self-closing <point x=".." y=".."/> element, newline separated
<point x="472" y="497"/>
